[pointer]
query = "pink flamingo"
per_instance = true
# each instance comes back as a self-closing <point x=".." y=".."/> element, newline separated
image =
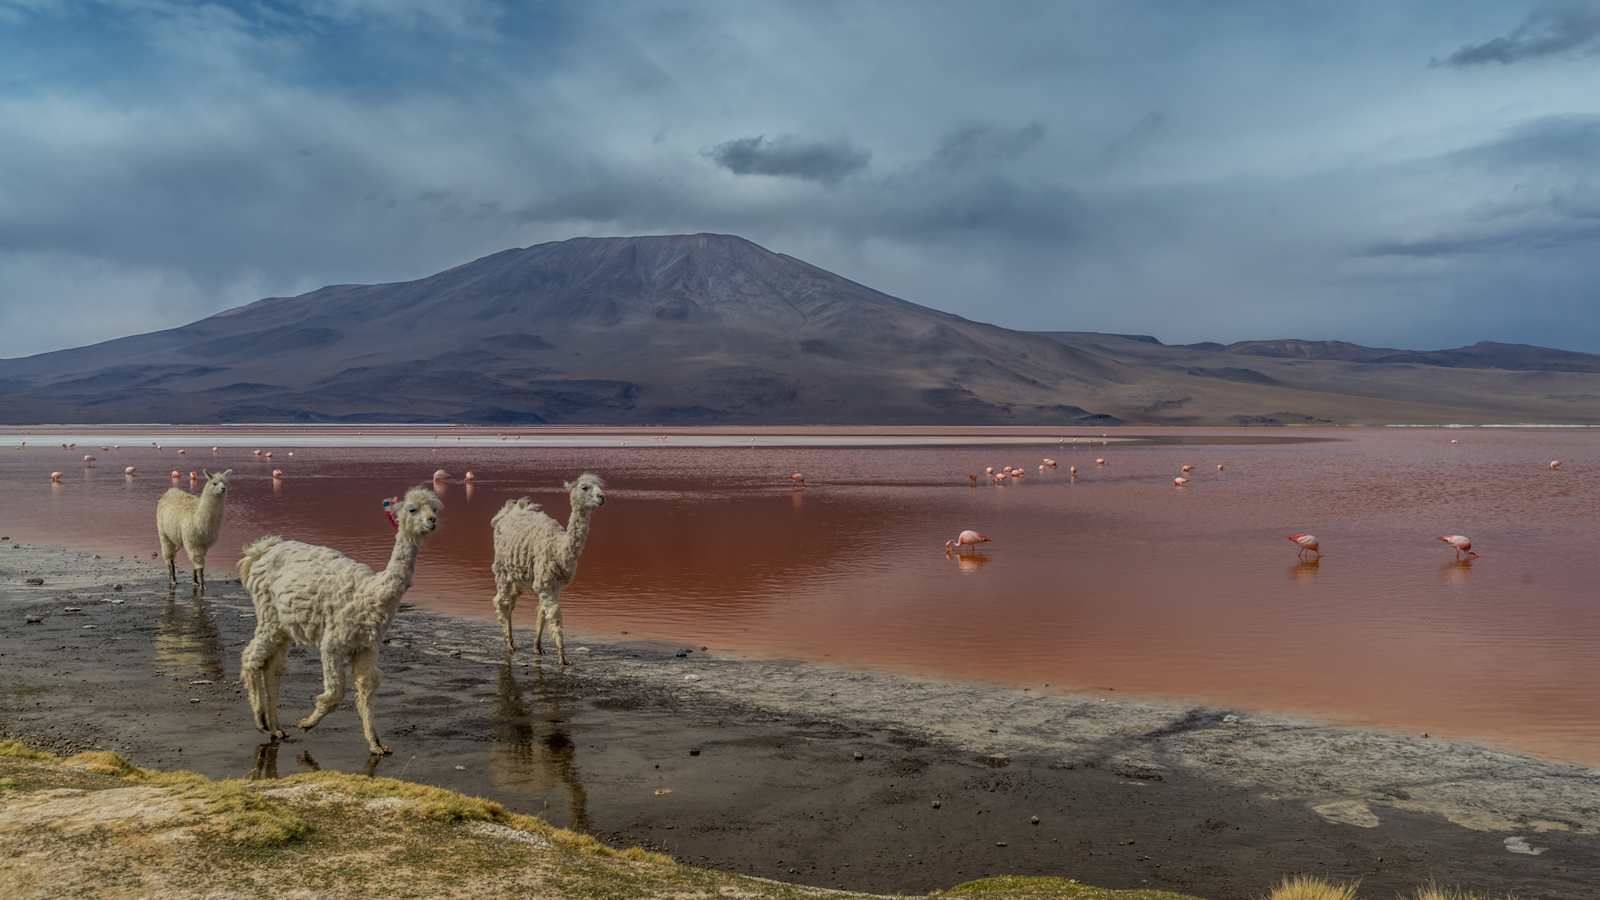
<point x="797" y="479"/>
<point x="216" y="449"/>
<point x="440" y="474"/>
<point x="1186" y="468"/>
<point x="967" y="538"/>
<point x="256" y="452"/>
<point x="1220" y="467"/>
<point x="88" y="460"/>
<point x="1462" y="545"/>
<point x="1307" y="543"/>
<point x="277" y="474"/>
<point x="174" y="474"/>
<point x="55" y="477"/>
<point x="988" y="470"/>
<point x="1073" y="471"/>
<point x="972" y="477"/>
<point x="267" y="455"/>
<point x="470" y="476"/>
<point x="1180" y="481"/>
<point x="1099" y="460"/>
<point x="183" y="451"/>
<point x="1555" y="465"/>
<point x="193" y="476"/>
<point x="130" y="470"/>
<point x="1049" y="462"/>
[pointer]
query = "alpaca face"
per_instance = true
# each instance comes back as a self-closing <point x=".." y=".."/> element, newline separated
<point x="588" y="492"/>
<point x="218" y="483"/>
<point x="418" y="515"/>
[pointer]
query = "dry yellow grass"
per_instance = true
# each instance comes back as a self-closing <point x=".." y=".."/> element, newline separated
<point x="1304" y="887"/>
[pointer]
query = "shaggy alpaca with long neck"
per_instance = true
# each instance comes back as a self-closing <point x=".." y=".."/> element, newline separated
<point x="317" y="596"/>
<point x="532" y="552"/>
<point x="193" y="523"/>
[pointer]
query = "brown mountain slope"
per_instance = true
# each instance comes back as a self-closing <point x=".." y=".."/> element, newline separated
<point x="714" y="329"/>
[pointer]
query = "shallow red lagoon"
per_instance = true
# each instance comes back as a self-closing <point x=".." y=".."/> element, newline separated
<point x="1117" y="581"/>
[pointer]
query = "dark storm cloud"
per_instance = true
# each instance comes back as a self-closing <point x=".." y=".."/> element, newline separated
<point x="986" y="144"/>
<point x="790" y="157"/>
<point x="1551" y="31"/>
<point x="1570" y="141"/>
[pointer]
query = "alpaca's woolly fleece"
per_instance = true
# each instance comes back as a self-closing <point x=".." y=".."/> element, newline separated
<point x="191" y="522"/>
<point x="317" y="596"/>
<point x="533" y="552"/>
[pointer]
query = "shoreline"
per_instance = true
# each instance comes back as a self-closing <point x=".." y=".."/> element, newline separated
<point x="591" y="746"/>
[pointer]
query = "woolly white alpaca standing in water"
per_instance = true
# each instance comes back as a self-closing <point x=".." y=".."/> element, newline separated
<point x="532" y="552"/>
<point x="316" y="596"/>
<point x="193" y="523"/>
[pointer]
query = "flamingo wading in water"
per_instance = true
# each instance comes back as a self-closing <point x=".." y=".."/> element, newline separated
<point x="1462" y="545"/>
<point x="1307" y="543"/>
<point x="967" y="538"/>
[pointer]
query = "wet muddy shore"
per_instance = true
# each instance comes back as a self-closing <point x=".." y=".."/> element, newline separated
<point x="794" y="771"/>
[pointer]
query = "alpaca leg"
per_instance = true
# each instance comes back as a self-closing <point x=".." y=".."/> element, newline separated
<point x="550" y="610"/>
<point x="368" y="678"/>
<point x="538" y="631"/>
<point x="334" y="664"/>
<point x="505" y="600"/>
<point x="280" y="661"/>
<point x="197" y="558"/>
<point x="255" y="670"/>
<point x="169" y="554"/>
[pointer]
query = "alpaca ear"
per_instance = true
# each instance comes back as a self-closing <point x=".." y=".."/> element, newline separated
<point x="203" y="472"/>
<point x="226" y="472"/>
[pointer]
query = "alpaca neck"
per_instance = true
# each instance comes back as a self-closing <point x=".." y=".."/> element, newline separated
<point x="577" y="534"/>
<point x="208" y="512"/>
<point x="395" y="579"/>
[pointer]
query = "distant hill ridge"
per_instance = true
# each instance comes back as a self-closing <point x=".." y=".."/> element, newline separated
<point x="714" y="329"/>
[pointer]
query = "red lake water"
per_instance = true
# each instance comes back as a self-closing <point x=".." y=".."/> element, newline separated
<point x="1115" y="581"/>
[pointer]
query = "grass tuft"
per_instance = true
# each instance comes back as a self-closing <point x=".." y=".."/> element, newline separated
<point x="19" y="750"/>
<point x="103" y="762"/>
<point x="1305" y="887"/>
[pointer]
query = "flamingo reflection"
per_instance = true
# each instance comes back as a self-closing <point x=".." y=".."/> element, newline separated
<point x="1456" y="571"/>
<point x="1305" y="569"/>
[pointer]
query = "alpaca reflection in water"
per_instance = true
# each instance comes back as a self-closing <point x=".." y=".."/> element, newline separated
<point x="266" y="762"/>
<point x="187" y="643"/>
<point x="533" y="752"/>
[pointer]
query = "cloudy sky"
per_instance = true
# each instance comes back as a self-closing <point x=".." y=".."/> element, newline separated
<point x="1418" y="174"/>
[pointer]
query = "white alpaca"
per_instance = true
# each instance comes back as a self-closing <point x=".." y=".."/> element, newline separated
<point x="316" y="596"/>
<point x="193" y="523"/>
<point x="532" y="552"/>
